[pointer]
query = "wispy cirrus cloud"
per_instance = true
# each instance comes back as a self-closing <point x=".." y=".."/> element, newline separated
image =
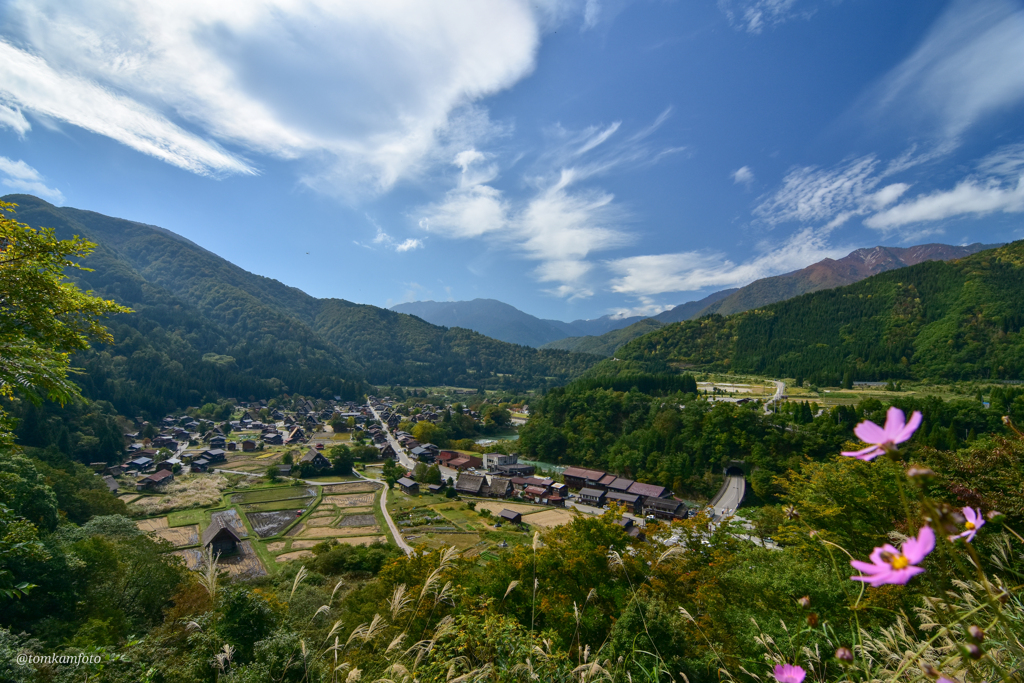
<point x="754" y="16"/>
<point x="966" y="68"/>
<point x="562" y="222"/>
<point x="20" y="177"/>
<point x="650" y="275"/>
<point x="361" y="94"/>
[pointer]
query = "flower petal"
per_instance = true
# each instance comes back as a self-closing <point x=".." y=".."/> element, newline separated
<point x="869" y="432"/>
<point x="916" y="549"/>
<point x="894" y="422"/>
<point x="867" y="567"/>
<point x="908" y="429"/>
<point x="971" y="516"/>
<point x="869" y="453"/>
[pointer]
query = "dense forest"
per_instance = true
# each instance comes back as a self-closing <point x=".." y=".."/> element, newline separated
<point x="652" y="428"/>
<point x="951" y="320"/>
<point x="202" y="328"/>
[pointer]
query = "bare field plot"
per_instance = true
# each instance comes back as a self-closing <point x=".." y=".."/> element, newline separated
<point x="277" y="546"/>
<point x="497" y="506"/>
<point x="180" y="536"/>
<point x="352" y="487"/>
<point x="152" y="524"/>
<point x="266" y="524"/>
<point x="355" y="500"/>
<point x="549" y="518"/>
<point x="358" y="520"/>
<point x="129" y="497"/>
<point x="276" y="505"/>
<point x="328" y="532"/>
<point x="193" y="558"/>
<point x="298" y="554"/>
<point x="320" y="521"/>
<point x="279" y="493"/>
<point x="245" y="563"/>
<point x="460" y="541"/>
<point x="230" y="518"/>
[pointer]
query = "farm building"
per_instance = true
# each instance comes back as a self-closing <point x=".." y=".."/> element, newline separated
<point x="221" y="538"/>
<point x="510" y="516"/>
<point x="155" y="480"/>
<point x="408" y="486"/>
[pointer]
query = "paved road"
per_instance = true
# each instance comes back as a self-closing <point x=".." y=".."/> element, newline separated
<point x="404" y="459"/>
<point x="731" y="496"/>
<point x="406" y="548"/>
<point x="780" y="387"/>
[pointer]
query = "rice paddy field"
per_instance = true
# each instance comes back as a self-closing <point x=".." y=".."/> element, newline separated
<point x="186" y="491"/>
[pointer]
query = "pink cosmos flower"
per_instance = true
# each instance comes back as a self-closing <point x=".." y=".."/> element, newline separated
<point x="789" y="673"/>
<point x="884" y="440"/>
<point x="889" y="565"/>
<point x="974" y="522"/>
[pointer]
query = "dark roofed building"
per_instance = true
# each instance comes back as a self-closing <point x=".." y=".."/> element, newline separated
<point x="111" y="484"/>
<point x="408" y="486"/>
<point x="631" y="501"/>
<point x="648" y="490"/>
<point x="580" y="478"/>
<point x="621" y="484"/>
<point x="470" y="484"/>
<point x="221" y="538"/>
<point x="317" y="458"/>
<point x="593" y="497"/>
<point x="664" y="508"/>
<point x="155" y="480"/>
<point x="630" y="528"/>
<point x="511" y="516"/>
<point x="435" y="488"/>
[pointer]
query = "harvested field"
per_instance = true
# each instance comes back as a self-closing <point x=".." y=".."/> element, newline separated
<point x="285" y="557"/>
<point x="549" y="518"/>
<point x="152" y="524"/>
<point x="245" y="564"/>
<point x="129" y="497"/>
<point x="296" y="530"/>
<point x="320" y="521"/>
<point x="230" y="518"/>
<point x="266" y="524"/>
<point x="328" y="532"/>
<point x="358" y="520"/>
<point x="276" y="546"/>
<point x="460" y="541"/>
<point x="303" y="544"/>
<point x="276" y="505"/>
<point x="355" y="540"/>
<point x="180" y="536"/>
<point x="497" y="506"/>
<point x="193" y="558"/>
<point x="280" y="493"/>
<point x="352" y="487"/>
<point x="186" y="491"/>
<point x="355" y="500"/>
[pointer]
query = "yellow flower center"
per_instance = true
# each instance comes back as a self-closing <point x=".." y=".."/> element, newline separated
<point x="900" y="562"/>
<point x="969" y="525"/>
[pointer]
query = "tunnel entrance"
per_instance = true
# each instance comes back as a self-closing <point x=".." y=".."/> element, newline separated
<point x="734" y="472"/>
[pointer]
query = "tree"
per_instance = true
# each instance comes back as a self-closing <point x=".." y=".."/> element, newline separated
<point x="341" y="459"/>
<point x="272" y="473"/>
<point x="43" y="317"/>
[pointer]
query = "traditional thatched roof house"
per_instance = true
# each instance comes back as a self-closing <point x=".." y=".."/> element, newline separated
<point x="221" y="537"/>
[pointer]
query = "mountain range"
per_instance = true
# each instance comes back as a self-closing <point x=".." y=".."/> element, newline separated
<point x="202" y="327"/>
<point x="604" y="335"/>
<point x="949" y="320"/>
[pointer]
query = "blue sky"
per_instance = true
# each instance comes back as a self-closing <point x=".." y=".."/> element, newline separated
<point x="573" y="158"/>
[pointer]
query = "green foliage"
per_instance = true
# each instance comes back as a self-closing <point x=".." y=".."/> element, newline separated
<point x="333" y="558"/>
<point x="951" y="320"/>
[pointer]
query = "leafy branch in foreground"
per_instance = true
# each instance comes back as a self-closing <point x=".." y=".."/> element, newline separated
<point x="43" y="317"/>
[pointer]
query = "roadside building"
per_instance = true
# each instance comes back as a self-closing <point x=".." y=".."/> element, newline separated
<point x="577" y="478"/>
<point x="156" y="480"/>
<point x="595" y="497"/>
<point x="664" y="508"/>
<point x="632" y="502"/>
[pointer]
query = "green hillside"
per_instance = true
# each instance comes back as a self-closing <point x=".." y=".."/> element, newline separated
<point x="951" y="320"/>
<point x="607" y="343"/>
<point x="203" y="327"/>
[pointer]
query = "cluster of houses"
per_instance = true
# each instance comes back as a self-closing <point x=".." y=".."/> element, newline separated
<point x="599" y="488"/>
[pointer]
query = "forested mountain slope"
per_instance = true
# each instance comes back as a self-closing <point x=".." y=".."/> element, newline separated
<point x="950" y="320"/>
<point x="205" y="326"/>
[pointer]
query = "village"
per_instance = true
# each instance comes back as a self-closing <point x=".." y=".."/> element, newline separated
<point x="260" y="488"/>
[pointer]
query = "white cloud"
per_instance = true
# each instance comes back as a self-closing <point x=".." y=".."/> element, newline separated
<point x="812" y="195"/>
<point x="11" y="117"/>
<point x="382" y="239"/>
<point x="754" y="16"/>
<point x="968" y="66"/>
<point x="561" y="224"/>
<point x="409" y="245"/>
<point x="649" y="275"/>
<point x="743" y="176"/>
<point x="969" y="197"/>
<point x="20" y="177"/>
<point x="362" y="91"/>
